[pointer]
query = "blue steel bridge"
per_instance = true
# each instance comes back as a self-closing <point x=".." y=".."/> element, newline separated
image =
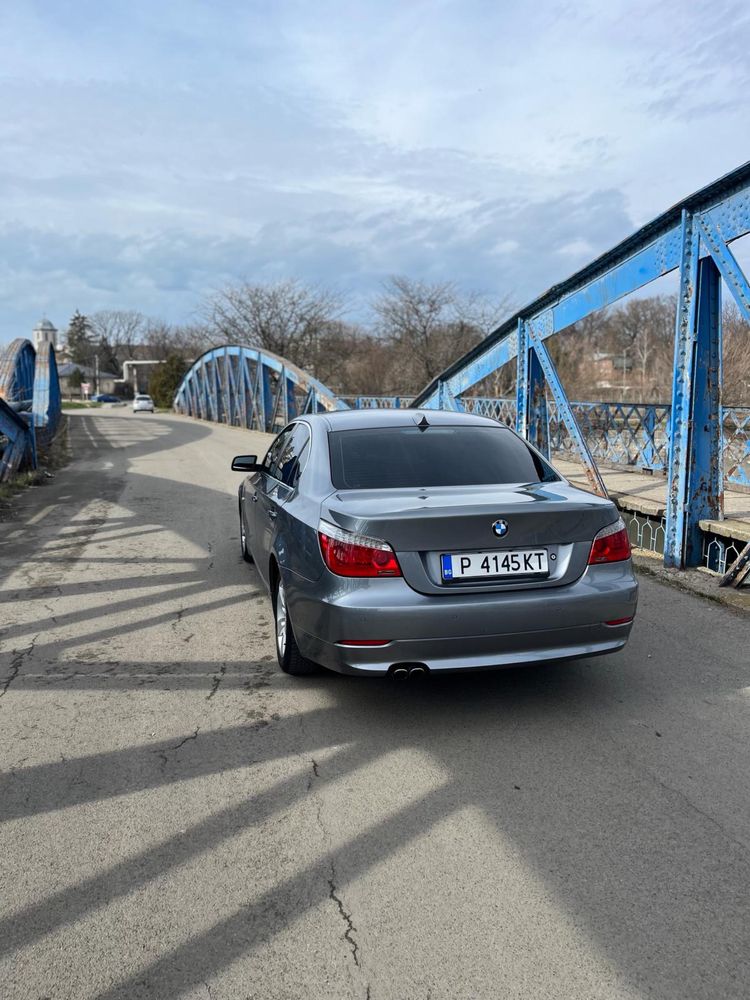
<point x="696" y="447"/>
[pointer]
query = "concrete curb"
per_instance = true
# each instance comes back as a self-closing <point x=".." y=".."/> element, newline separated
<point x="701" y="582"/>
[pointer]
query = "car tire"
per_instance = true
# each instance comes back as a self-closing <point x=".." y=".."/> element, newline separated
<point x="243" y="542"/>
<point x="290" y="659"/>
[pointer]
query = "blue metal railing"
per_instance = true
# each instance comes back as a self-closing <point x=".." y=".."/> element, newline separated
<point x="635" y="435"/>
<point x="694" y="239"/>
<point x="693" y="440"/>
<point x="377" y="402"/>
<point x="736" y="425"/>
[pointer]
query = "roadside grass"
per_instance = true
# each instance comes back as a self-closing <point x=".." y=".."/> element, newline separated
<point x="18" y="483"/>
<point x="79" y="404"/>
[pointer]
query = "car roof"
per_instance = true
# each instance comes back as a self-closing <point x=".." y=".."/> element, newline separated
<point x="345" y="420"/>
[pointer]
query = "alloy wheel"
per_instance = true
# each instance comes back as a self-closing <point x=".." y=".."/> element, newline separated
<point x="281" y="619"/>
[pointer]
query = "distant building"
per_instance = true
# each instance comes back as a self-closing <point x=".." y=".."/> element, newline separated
<point x="610" y="371"/>
<point x="107" y="380"/>
<point x="44" y="333"/>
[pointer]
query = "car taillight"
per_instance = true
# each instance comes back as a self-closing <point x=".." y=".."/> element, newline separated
<point x="611" y="544"/>
<point x="348" y="554"/>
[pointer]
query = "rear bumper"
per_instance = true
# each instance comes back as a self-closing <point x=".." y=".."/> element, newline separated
<point x="474" y="652"/>
<point x="469" y="631"/>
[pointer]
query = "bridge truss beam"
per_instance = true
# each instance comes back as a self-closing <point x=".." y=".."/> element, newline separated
<point x="30" y="404"/>
<point x="692" y="237"/>
<point x="248" y="387"/>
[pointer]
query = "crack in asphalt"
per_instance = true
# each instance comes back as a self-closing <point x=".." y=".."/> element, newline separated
<point x="178" y="619"/>
<point x="187" y="739"/>
<point x="351" y="930"/>
<point x="162" y="754"/>
<point x="316" y="774"/>
<point x="15" y="665"/>
<point x="218" y="678"/>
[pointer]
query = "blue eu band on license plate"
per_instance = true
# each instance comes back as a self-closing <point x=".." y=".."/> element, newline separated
<point x="499" y="563"/>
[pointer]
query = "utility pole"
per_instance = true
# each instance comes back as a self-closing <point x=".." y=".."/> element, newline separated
<point x="96" y="373"/>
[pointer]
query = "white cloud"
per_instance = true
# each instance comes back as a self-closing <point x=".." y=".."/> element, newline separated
<point x="148" y="153"/>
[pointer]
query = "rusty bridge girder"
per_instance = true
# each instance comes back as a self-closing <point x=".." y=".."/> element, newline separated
<point x="30" y="404"/>
<point x="693" y="238"/>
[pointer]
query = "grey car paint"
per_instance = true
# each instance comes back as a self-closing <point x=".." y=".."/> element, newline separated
<point x="446" y="627"/>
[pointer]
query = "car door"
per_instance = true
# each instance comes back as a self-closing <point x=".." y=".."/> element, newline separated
<point x="264" y="501"/>
<point x="275" y="516"/>
<point x="293" y="541"/>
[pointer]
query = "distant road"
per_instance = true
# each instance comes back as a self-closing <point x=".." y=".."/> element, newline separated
<point x="178" y="819"/>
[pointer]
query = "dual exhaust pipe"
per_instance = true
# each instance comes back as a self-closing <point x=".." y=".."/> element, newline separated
<point x="409" y="671"/>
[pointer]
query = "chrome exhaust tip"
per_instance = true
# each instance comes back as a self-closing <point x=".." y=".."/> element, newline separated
<point x="417" y="672"/>
<point x="399" y="673"/>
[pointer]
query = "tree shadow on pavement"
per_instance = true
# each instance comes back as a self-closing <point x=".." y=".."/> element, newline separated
<point x="547" y="754"/>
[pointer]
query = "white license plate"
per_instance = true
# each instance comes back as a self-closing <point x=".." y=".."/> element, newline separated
<point x="506" y="562"/>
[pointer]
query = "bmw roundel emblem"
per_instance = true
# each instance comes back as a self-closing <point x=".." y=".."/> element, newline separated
<point x="500" y="528"/>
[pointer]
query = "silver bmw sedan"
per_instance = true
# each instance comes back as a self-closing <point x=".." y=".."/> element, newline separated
<point x="415" y="541"/>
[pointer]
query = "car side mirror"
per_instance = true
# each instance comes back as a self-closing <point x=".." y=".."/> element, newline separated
<point x="246" y="463"/>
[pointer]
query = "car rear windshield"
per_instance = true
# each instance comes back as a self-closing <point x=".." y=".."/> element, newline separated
<point x="395" y="457"/>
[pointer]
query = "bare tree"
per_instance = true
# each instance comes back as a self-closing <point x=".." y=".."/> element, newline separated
<point x="623" y="352"/>
<point x="653" y="346"/>
<point x="287" y="318"/>
<point x="121" y="328"/>
<point x="432" y="324"/>
<point x="482" y="312"/>
<point x="736" y="331"/>
<point x="187" y="341"/>
<point x="414" y="315"/>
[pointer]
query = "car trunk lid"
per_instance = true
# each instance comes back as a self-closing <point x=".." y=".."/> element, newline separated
<point x="422" y="524"/>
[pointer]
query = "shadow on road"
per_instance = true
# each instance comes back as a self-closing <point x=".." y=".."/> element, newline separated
<point x="541" y="752"/>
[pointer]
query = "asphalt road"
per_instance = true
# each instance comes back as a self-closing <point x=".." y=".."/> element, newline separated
<point x="179" y="819"/>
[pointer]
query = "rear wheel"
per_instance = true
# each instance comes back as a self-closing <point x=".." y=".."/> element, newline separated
<point x="290" y="659"/>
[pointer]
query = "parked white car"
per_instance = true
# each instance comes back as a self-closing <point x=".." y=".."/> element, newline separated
<point x="143" y="402"/>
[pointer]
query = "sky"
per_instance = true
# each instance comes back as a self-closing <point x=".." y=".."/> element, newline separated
<point x="152" y="153"/>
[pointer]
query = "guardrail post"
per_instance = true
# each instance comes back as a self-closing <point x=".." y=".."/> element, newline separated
<point x="706" y="474"/>
<point x="522" y="380"/>
<point x="649" y="429"/>
<point x="446" y="399"/>
<point x="695" y="479"/>
<point x="266" y="394"/>
<point x="532" y="418"/>
<point x="291" y="400"/>
<point x="229" y="396"/>
<point x="538" y="419"/>
<point x="244" y="379"/>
